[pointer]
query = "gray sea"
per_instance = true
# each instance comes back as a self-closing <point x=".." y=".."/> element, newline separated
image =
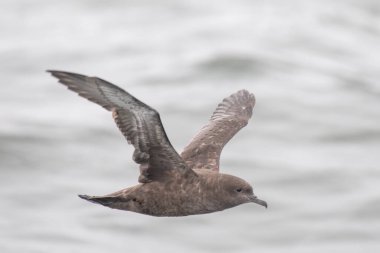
<point x="311" y="150"/>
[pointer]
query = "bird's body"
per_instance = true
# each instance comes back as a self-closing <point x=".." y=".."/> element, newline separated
<point x="171" y="184"/>
<point x="205" y="193"/>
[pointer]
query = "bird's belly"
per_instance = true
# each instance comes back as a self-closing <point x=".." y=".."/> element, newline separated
<point x="178" y="204"/>
<point x="169" y="205"/>
<point x="173" y="199"/>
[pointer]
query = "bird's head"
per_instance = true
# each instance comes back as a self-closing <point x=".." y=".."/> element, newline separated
<point x="237" y="191"/>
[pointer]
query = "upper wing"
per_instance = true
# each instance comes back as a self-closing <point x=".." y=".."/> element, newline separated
<point x="140" y="124"/>
<point x="232" y="114"/>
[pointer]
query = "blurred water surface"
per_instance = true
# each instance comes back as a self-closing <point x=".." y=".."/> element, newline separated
<point x="311" y="150"/>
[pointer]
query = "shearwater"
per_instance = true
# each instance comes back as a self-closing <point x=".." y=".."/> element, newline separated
<point x="170" y="184"/>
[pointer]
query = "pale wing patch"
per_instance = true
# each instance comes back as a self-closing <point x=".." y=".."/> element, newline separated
<point x="232" y="114"/>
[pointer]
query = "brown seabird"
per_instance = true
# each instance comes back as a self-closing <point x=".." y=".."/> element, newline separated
<point x="170" y="184"/>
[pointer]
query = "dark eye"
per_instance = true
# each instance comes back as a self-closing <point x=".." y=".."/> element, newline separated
<point x="238" y="189"/>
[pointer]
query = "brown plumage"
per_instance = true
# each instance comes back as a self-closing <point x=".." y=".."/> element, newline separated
<point x="170" y="184"/>
<point x="229" y="117"/>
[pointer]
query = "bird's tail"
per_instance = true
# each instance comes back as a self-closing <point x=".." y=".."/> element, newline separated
<point x="105" y="201"/>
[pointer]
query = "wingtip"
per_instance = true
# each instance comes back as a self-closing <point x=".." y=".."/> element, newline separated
<point x="83" y="196"/>
<point x="246" y="92"/>
<point x="65" y="74"/>
<point x="249" y="95"/>
<point x="54" y="73"/>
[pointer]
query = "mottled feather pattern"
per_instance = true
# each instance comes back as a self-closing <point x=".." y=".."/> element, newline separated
<point x="232" y="114"/>
<point x="140" y="124"/>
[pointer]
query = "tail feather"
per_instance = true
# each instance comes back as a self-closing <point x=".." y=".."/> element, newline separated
<point x="105" y="201"/>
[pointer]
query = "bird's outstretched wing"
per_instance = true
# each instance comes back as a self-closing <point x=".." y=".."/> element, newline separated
<point x="232" y="114"/>
<point x="140" y="124"/>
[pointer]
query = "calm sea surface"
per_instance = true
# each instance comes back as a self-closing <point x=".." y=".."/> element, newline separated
<point x="312" y="149"/>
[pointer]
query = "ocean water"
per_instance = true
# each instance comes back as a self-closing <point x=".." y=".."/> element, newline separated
<point x="311" y="149"/>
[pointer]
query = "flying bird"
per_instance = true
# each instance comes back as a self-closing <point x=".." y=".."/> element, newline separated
<point x="170" y="184"/>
